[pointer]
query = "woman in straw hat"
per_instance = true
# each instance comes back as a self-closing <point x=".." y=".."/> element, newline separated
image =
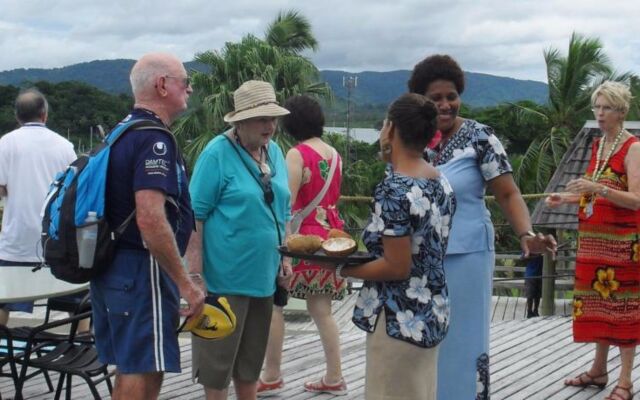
<point x="240" y="198"/>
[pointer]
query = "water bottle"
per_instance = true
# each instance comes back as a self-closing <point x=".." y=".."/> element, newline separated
<point x="86" y="237"/>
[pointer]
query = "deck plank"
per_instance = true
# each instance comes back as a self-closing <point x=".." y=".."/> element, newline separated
<point x="529" y="359"/>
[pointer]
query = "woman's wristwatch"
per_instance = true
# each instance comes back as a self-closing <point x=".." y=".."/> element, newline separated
<point x="604" y="191"/>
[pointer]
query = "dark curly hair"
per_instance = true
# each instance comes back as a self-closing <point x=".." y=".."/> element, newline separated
<point x="414" y="117"/>
<point x="305" y="120"/>
<point x="433" y="68"/>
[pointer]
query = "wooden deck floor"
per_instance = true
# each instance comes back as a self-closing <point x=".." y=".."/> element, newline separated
<point x="529" y="359"/>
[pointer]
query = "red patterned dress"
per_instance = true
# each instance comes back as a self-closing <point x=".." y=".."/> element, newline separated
<point x="606" y="305"/>
<point x="307" y="277"/>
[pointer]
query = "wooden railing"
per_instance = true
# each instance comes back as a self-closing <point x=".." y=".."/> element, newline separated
<point x="557" y="276"/>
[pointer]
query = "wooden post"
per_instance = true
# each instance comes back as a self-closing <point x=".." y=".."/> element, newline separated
<point x="548" y="305"/>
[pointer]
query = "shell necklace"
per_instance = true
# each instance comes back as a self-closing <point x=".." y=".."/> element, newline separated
<point x="262" y="160"/>
<point x="600" y="167"/>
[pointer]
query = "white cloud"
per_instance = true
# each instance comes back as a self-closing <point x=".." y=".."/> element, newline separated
<point x="490" y="36"/>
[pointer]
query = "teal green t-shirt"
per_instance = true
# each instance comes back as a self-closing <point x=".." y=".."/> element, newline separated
<point x="240" y="237"/>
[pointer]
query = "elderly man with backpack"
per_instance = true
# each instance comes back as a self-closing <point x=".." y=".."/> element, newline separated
<point x="136" y="299"/>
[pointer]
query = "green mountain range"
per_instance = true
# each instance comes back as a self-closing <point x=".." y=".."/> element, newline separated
<point x="373" y="88"/>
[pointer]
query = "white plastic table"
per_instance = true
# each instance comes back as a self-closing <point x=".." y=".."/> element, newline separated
<point x="22" y="284"/>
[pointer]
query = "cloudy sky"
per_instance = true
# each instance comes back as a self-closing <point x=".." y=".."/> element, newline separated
<point x="492" y="36"/>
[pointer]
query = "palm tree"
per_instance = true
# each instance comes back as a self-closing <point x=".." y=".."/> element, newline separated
<point x="251" y="58"/>
<point x="571" y="79"/>
<point x="291" y="31"/>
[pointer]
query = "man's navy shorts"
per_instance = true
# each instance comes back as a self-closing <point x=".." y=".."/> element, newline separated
<point x="136" y="314"/>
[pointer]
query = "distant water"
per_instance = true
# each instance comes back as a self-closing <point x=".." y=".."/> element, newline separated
<point x="366" y="135"/>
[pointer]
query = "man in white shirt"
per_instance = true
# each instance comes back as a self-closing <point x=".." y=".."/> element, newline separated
<point x="30" y="157"/>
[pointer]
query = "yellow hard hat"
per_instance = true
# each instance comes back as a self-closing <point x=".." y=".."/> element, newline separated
<point x="217" y="320"/>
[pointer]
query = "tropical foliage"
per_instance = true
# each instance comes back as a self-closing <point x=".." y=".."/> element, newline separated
<point x="291" y="31"/>
<point x="275" y="60"/>
<point x="75" y="109"/>
<point x="571" y="79"/>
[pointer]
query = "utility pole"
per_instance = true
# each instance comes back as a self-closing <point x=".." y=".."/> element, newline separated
<point x="350" y="83"/>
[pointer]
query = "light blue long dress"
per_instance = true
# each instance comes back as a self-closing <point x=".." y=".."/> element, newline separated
<point x="471" y="158"/>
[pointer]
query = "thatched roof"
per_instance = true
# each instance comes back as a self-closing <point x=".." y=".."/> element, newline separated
<point x="573" y="164"/>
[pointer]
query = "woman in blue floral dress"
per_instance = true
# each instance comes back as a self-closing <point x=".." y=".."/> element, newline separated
<point x="404" y="305"/>
<point x="472" y="158"/>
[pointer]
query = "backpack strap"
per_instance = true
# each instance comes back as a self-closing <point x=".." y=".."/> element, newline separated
<point x="133" y="125"/>
<point x="138" y="125"/>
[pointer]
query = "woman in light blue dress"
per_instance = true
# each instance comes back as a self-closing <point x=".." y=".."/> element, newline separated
<point x="472" y="158"/>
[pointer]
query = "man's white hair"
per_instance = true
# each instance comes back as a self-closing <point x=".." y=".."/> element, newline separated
<point x="145" y="72"/>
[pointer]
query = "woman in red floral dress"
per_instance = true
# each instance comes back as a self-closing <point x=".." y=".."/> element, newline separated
<point x="308" y="164"/>
<point x="606" y="307"/>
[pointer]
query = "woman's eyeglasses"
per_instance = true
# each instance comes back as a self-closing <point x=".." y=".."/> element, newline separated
<point x="605" y="109"/>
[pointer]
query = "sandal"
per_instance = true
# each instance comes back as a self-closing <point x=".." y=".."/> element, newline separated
<point x="586" y="380"/>
<point x="620" y="393"/>
<point x="265" y="389"/>
<point x="320" y="386"/>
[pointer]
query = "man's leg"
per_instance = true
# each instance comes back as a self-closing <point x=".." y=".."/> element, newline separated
<point x="215" y="394"/>
<point x="137" y="386"/>
<point x="245" y="390"/>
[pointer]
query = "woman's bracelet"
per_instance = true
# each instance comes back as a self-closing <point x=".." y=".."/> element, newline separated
<point x="195" y="275"/>
<point x="339" y="271"/>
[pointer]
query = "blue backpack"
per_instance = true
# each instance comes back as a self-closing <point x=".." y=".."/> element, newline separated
<point x="78" y="190"/>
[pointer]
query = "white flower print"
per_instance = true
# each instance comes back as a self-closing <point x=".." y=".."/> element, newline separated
<point x="446" y="186"/>
<point x="490" y="169"/>
<point x="467" y="151"/>
<point x="439" y="222"/>
<point x="419" y="203"/>
<point x="368" y="301"/>
<point x="497" y="146"/>
<point x="418" y="289"/>
<point x="441" y="309"/>
<point x="376" y="224"/>
<point x="444" y="226"/>
<point x="409" y="325"/>
<point x="416" y="241"/>
<point x="436" y="218"/>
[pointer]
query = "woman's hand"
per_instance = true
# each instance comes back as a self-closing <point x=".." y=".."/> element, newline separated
<point x="582" y="185"/>
<point x="553" y="200"/>
<point x="286" y="273"/>
<point x="538" y="244"/>
<point x="557" y="199"/>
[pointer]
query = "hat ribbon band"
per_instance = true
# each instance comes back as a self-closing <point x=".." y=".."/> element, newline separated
<point x="255" y="105"/>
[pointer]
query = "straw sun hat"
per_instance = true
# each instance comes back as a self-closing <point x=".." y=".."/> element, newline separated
<point x="254" y="99"/>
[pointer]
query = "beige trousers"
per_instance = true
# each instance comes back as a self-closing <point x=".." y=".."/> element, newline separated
<point x="397" y="370"/>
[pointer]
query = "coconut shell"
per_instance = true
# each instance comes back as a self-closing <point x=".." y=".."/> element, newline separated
<point x="339" y="247"/>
